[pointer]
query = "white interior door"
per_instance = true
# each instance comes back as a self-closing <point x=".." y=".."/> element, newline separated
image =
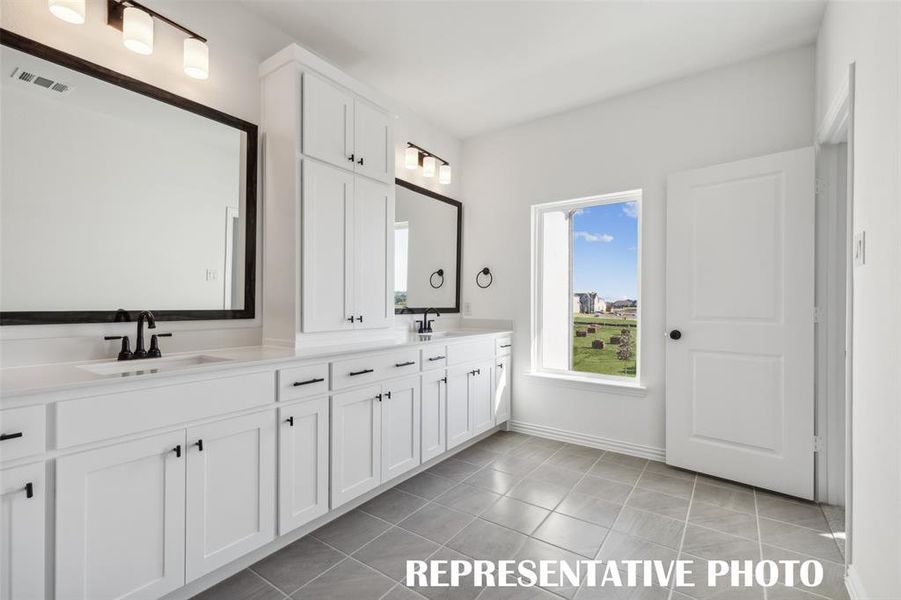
<point x="230" y="492"/>
<point x="740" y="285"/>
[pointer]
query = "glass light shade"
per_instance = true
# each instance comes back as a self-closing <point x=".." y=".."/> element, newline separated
<point x="429" y="165"/>
<point x="137" y="30"/>
<point x="197" y="59"/>
<point x="70" y="11"/>
<point x="444" y="174"/>
<point x="411" y="157"/>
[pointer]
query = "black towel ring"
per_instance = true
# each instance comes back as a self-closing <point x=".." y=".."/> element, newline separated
<point x="439" y="273"/>
<point x="487" y="272"/>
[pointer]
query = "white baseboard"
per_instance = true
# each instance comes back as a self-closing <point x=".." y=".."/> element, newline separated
<point x="593" y="441"/>
<point x="854" y="585"/>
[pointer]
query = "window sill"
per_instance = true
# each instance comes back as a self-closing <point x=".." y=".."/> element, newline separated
<point x="591" y="384"/>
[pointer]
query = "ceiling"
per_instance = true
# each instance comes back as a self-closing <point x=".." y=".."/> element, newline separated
<point x="473" y="67"/>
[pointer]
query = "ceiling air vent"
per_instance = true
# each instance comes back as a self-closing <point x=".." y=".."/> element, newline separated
<point x="46" y="83"/>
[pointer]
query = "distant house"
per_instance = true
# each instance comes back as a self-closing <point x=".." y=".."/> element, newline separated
<point x="624" y="308"/>
<point x="588" y="303"/>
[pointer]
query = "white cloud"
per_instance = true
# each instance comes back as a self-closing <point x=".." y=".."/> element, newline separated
<point x="630" y="209"/>
<point x="593" y="237"/>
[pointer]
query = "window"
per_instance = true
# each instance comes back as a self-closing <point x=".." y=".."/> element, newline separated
<point x="586" y="278"/>
<point x="401" y="256"/>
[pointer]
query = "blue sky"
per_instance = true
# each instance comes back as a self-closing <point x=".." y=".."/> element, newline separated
<point x="605" y="250"/>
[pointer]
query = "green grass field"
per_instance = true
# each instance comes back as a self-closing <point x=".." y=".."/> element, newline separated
<point x="605" y="362"/>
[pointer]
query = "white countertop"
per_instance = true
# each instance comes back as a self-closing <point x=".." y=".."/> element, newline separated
<point x="16" y="382"/>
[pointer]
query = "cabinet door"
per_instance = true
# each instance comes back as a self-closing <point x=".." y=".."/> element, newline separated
<point x="302" y="463"/>
<point x="501" y="395"/>
<point x="231" y="490"/>
<point x="120" y="520"/>
<point x="371" y="221"/>
<point x="356" y="443"/>
<point x="400" y="427"/>
<point x="327" y="122"/>
<point x="22" y="532"/>
<point x="327" y="286"/>
<point x="482" y="404"/>
<point x="434" y="407"/>
<point x="459" y="411"/>
<point x="372" y="139"/>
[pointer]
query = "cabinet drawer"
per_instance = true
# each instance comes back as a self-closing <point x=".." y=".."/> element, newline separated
<point x="22" y="431"/>
<point x="87" y="420"/>
<point x="503" y="345"/>
<point x="402" y="363"/>
<point x="303" y="382"/>
<point x="356" y="371"/>
<point x="470" y="352"/>
<point x="434" y="357"/>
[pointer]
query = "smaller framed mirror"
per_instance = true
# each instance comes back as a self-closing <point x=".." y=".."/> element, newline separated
<point x="428" y="230"/>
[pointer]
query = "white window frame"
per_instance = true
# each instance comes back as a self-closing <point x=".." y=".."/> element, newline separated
<point x="538" y="369"/>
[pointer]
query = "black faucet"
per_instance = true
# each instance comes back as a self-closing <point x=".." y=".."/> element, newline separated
<point x="139" y="342"/>
<point x="425" y="326"/>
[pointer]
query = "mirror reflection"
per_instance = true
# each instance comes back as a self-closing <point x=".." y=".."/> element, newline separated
<point x="113" y="199"/>
<point x="427" y="230"/>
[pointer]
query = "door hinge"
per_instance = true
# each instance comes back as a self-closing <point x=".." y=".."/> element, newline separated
<point x="818" y="445"/>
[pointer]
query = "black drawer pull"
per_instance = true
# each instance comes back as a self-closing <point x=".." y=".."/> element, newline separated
<point x="379" y="397"/>
<point x="444" y="379"/>
<point x="308" y="381"/>
<point x="177" y="451"/>
<point x="10" y="436"/>
<point x="434" y="358"/>
<point x="363" y="372"/>
<point x="506" y="345"/>
<point x="290" y="421"/>
<point x="388" y="395"/>
<point x="29" y="490"/>
<point x="405" y="364"/>
<point x="199" y="444"/>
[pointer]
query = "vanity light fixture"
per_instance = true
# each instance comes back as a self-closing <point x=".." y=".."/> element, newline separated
<point x="70" y="11"/>
<point x="136" y="22"/>
<point x="428" y="166"/>
<point x="414" y="156"/>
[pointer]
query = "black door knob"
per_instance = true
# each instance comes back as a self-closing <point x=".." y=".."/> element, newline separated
<point x="675" y="334"/>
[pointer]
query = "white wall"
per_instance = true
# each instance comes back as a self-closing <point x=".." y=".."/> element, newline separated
<point x="869" y="34"/>
<point x="630" y="142"/>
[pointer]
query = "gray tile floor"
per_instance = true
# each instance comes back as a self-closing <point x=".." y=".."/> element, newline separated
<point x="513" y="496"/>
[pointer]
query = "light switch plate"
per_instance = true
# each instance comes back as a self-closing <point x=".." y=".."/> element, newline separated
<point x="467" y="309"/>
<point x="860" y="248"/>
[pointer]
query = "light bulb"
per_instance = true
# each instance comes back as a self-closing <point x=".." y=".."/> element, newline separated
<point x="429" y="164"/>
<point x="70" y="11"/>
<point x="137" y="30"/>
<point x="411" y="157"/>
<point x="197" y="59"/>
<point x="444" y="174"/>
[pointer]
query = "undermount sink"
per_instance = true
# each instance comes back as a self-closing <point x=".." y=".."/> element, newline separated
<point x="441" y="334"/>
<point x="146" y="366"/>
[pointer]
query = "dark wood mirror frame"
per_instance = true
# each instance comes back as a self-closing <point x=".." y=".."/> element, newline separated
<point x="459" y="206"/>
<point x="23" y="44"/>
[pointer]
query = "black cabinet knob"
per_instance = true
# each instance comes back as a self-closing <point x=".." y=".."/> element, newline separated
<point x="675" y="334"/>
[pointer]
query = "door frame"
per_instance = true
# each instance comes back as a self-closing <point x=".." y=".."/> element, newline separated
<point x="837" y="127"/>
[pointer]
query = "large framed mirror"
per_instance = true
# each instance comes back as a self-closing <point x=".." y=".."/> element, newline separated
<point x="117" y="196"/>
<point x="428" y="229"/>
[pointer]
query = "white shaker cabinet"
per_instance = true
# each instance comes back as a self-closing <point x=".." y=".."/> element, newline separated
<point x="372" y="142"/>
<point x="303" y="460"/>
<point x="231" y="490"/>
<point x="480" y="399"/>
<point x="373" y="216"/>
<point x="327" y="122"/>
<point x="328" y="235"/>
<point x="433" y="411"/>
<point x="22" y="532"/>
<point x="400" y="427"/>
<point x="356" y="443"/>
<point x="502" y="384"/>
<point x="459" y="411"/>
<point x="120" y="520"/>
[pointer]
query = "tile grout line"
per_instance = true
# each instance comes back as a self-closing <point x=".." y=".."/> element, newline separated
<point x="679" y="552"/>
<point x="275" y="587"/>
<point x="759" y="534"/>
